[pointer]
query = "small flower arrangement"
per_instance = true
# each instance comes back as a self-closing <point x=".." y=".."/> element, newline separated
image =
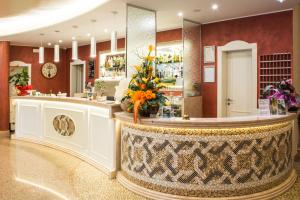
<point x="285" y="91"/>
<point x="143" y="93"/>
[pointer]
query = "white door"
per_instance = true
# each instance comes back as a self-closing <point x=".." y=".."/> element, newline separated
<point x="239" y="83"/>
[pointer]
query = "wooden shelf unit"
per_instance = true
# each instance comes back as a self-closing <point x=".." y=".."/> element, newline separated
<point x="273" y="68"/>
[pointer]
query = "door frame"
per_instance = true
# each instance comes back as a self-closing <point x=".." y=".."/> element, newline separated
<point x="77" y="62"/>
<point x="237" y="45"/>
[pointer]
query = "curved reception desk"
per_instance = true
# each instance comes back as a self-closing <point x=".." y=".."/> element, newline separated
<point x="80" y="127"/>
<point x="223" y="158"/>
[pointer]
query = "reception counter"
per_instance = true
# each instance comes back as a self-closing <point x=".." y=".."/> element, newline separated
<point x="223" y="158"/>
<point x="77" y="126"/>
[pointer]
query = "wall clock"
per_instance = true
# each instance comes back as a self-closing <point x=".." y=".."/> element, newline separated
<point x="49" y="70"/>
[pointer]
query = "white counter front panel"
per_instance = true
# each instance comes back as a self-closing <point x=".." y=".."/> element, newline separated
<point x="87" y="131"/>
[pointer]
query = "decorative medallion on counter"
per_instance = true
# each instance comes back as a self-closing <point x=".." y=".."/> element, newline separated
<point x="64" y="125"/>
<point x="207" y="165"/>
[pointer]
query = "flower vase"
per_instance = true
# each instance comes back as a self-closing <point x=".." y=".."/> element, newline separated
<point x="22" y="90"/>
<point x="273" y="107"/>
<point x="150" y="112"/>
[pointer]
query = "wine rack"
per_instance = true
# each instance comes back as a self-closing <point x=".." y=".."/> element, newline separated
<point x="274" y="68"/>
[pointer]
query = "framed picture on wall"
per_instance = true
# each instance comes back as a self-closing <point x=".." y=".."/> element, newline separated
<point x="209" y="54"/>
<point x="209" y="74"/>
<point x="91" y="69"/>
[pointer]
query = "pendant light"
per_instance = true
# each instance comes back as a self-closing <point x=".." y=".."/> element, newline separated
<point x="41" y="51"/>
<point x="74" y="49"/>
<point x="93" y="53"/>
<point x="93" y="47"/>
<point x="56" y="53"/>
<point x="114" y="42"/>
<point x="114" y="36"/>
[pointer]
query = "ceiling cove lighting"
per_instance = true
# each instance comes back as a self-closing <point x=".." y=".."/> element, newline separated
<point x="74" y="49"/>
<point x="215" y="6"/>
<point x="56" y="53"/>
<point x="41" y="51"/>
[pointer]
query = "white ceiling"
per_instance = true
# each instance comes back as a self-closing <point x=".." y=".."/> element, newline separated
<point x="197" y="10"/>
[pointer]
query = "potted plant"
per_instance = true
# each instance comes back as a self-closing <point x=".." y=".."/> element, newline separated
<point x="143" y="95"/>
<point x="99" y="87"/>
<point x="20" y="81"/>
<point x="284" y="92"/>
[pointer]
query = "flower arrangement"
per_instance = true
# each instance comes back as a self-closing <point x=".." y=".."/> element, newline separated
<point x="285" y="91"/>
<point x="143" y="93"/>
<point x="20" y="81"/>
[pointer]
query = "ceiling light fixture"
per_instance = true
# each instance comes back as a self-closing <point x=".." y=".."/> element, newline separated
<point x="281" y="1"/>
<point x="41" y="50"/>
<point x="88" y="34"/>
<point x="93" y="51"/>
<point x="60" y="41"/>
<point x="73" y="38"/>
<point x="114" y="36"/>
<point x="74" y="49"/>
<point x="56" y="53"/>
<point x="180" y="14"/>
<point x="49" y="43"/>
<point x="215" y="6"/>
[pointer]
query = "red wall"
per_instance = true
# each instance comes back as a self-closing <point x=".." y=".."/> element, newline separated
<point x="4" y="71"/>
<point x="170" y="35"/>
<point x="273" y="33"/>
<point x="39" y="82"/>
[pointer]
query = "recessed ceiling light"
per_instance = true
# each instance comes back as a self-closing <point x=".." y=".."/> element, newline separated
<point x="215" y="6"/>
<point x="88" y="34"/>
<point x="197" y="10"/>
<point x="105" y="30"/>
<point x="180" y="14"/>
<point x="74" y="26"/>
<point x="57" y="31"/>
<point x="281" y="1"/>
<point x="73" y="38"/>
<point x="60" y="41"/>
<point x="49" y="43"/>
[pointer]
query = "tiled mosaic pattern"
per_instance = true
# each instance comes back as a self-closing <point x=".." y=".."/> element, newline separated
<point x="64" y="125"/>
<point x="198" y="165"/>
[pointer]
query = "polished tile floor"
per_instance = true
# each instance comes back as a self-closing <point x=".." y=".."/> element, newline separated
<point x="33" y="172"/>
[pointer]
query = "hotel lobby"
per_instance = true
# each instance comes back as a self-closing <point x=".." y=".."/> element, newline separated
<point x="139" y="99"/>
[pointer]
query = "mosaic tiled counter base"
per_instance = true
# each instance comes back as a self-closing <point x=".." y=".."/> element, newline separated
<point x="236" y="162"/>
